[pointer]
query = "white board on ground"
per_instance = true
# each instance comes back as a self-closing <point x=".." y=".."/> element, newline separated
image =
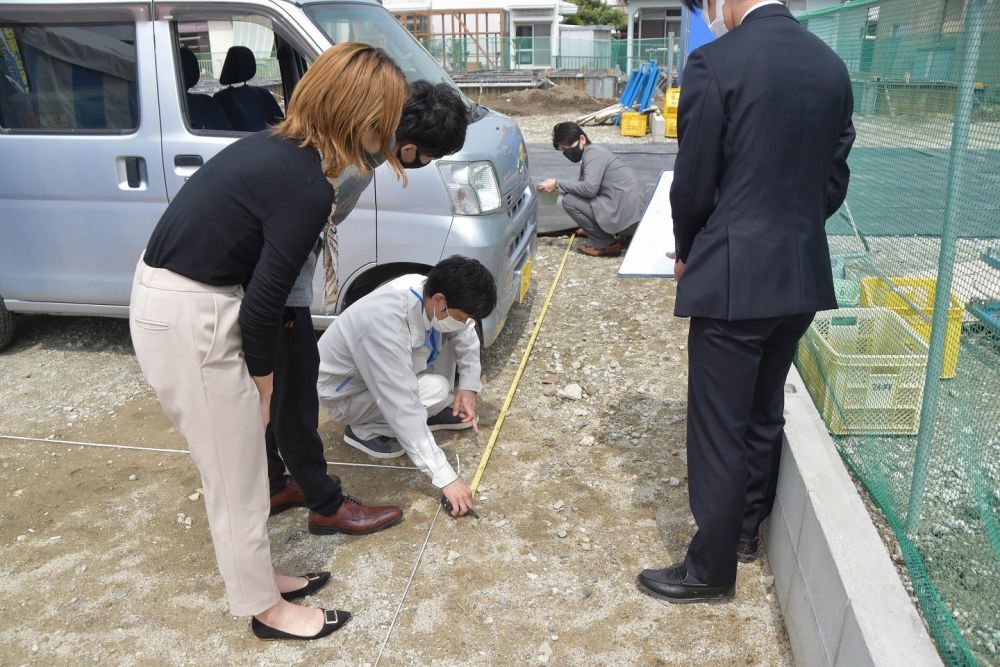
<point x="646" y="256"/>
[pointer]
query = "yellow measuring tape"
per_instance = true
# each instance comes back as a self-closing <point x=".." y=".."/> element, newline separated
<point x="520" y="371"/>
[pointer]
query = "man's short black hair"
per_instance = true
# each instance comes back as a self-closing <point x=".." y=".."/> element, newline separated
<point x="434" y="119"/>
<point x="692" y="4"/>
<point x="564" y="134"/>
<point x="466" y="285"/>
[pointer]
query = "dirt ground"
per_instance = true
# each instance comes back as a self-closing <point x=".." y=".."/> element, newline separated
<point x="548" y="100"/>
<point x="537" y="129"/>
<point x="537" y="111"/>
<point x="97" y="564"/>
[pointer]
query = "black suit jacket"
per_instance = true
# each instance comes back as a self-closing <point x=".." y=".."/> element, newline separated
<point x="764" y="130"/>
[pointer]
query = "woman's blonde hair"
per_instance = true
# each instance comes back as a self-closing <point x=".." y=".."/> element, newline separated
<point x="350" y="89"/>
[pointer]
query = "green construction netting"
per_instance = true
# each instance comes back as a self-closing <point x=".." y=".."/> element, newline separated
<point x="907" y="372"/>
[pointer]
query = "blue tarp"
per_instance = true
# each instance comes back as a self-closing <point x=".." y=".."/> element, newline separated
<point x="699" y="33"/>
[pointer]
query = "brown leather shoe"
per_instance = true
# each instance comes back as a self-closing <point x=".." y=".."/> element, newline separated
<point x="292" y="495"/>
<point x="613" y="250"/>
<point x="353" y="518"/>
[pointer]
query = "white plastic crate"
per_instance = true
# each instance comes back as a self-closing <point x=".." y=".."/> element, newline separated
<point x="864" y="368"/>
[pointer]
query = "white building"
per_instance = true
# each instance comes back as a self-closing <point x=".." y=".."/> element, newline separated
<point x="657" y="19"/>
<point x="585" y="46"/>
<point x="796" y="6"/>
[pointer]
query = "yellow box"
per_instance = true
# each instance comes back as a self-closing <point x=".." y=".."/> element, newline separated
<point x="634" y="124"/>
<point x="671" y="100"/>
<point x="876" y="292"/>
<point x="670" y="127"/>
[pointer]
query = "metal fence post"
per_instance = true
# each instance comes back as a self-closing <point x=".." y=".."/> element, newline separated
<point x="670" y="59"/>
<point x="975" y="11"/>
<point x="685" y="33"/>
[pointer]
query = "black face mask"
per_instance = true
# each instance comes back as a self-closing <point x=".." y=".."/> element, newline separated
<point x="574" y="154"/>
<point x="416" y="164"/>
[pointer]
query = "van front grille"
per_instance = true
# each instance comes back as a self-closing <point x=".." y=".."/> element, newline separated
<point x="516" y="243"/>
<point x="512" y="210"/>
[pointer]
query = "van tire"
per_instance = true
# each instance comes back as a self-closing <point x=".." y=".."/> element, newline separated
<point x="6" y="325"/>
<point x="378" y="276"/>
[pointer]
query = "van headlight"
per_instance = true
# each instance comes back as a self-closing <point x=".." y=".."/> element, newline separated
<point x="472" y="187"/>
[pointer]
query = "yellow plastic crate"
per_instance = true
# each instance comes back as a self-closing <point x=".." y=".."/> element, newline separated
<point x="634" y="124"/>
<point x="921" y="291"/>
<point x="864" y="368"/>
<point x="670" y="127"/>
<point x="672" y="100"/>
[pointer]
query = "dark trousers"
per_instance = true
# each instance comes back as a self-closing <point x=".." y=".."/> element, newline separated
<point x="292" y="437"/>
<point x="736" y="400"/>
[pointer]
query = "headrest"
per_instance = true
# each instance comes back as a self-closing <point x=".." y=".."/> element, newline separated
<point x="189" y="67"/>
<point x="240" y="66"/>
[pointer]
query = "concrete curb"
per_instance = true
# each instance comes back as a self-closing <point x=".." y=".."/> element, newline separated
<point x="839" y="592"/>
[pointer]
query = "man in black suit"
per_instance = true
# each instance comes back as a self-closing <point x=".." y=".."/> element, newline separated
<point x="765" y="129"/>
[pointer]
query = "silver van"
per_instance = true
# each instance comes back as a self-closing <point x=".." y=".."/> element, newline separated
<point x="107" y="107"/>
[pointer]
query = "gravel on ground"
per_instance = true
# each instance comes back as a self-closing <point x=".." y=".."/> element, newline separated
<point x="105" y="555"/>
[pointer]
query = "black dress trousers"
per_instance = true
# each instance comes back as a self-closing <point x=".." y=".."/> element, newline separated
<point x="735" y="419"/>
<point x="292" y="437"/>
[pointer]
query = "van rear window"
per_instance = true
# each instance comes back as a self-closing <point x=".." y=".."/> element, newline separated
<point x="59" y="77"/>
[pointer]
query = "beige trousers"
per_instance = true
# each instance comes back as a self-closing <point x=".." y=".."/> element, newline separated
<point x="187" y="339"/>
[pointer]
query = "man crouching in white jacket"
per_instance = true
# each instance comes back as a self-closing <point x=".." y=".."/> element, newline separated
<point x="388" y="365"/>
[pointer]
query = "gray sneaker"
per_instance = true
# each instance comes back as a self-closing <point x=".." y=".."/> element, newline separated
<point x="379" y="446"/>
<point x="446" y="421"/>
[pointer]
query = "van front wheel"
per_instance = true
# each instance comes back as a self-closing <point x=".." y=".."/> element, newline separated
<point x="6" y="325"/>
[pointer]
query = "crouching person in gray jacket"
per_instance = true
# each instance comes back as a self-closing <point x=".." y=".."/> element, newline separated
<point x="388" y="365"/>
<point x="606" y="201"/>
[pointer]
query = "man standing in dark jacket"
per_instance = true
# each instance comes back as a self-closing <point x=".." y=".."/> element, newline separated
<point x="765" y="130"/>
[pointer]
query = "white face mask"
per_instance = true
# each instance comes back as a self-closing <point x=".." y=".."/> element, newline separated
<point x="449" y="324"/>
<point x="718" y="26"/>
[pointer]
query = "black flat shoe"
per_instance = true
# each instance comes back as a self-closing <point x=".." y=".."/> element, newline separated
<point x="748" y="551"/>
<point x="675" y="584"/>
<point x="314" y="582"/>
<point x="334" y="620"/>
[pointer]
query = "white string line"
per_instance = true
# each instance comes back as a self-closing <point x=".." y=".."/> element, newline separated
<point x="416" y="564"/>
<point x="184" y="451"/>
<point x="57" y="441"/>
<point x="409" y="581"/>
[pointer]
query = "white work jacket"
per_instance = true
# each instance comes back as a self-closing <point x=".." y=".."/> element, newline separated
<point x="380" y="344"/>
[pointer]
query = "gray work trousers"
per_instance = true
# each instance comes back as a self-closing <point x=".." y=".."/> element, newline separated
<point x="582" y="213"/>
<point x="435" y="386"/>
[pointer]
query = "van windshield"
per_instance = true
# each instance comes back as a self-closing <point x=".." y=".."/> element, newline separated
<point x="343" y="22"/>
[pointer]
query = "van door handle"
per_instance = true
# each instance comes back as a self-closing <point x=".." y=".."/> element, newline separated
<point x="188" y="161"/>
<point x="132" y="170"/>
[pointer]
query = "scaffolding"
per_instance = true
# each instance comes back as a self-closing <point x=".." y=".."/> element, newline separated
<point x="461" y="39"/>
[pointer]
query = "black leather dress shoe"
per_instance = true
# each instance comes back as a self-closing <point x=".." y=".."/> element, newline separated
<point x="333" y="619"/>
<point x="314" y="582"/>
<point x="747" y="551"/>
<point x="676" y="584"/>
